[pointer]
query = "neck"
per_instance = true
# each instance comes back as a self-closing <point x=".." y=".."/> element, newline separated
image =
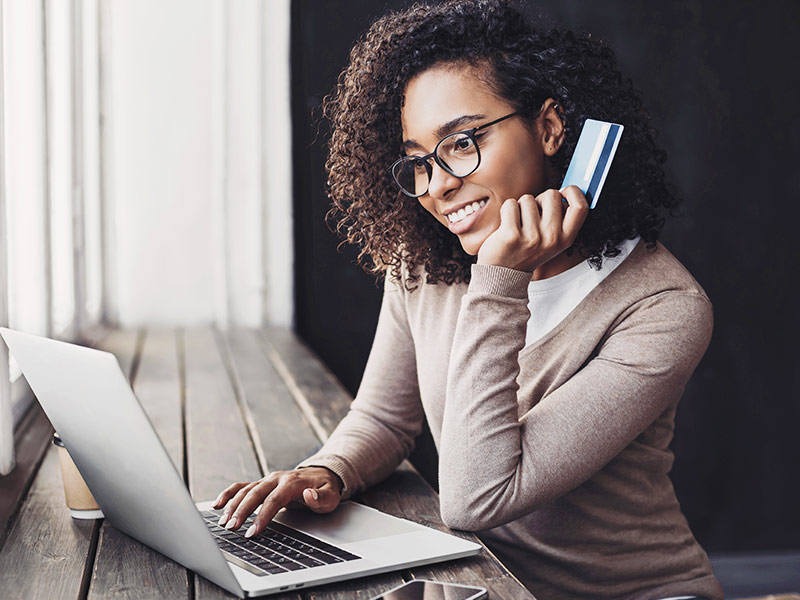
<point x="557" y="265"/>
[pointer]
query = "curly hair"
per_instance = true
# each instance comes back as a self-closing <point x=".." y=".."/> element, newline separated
<point x="524" y="66"/>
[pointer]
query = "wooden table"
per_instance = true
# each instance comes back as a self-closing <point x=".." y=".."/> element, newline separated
<point x="229" y="406"/>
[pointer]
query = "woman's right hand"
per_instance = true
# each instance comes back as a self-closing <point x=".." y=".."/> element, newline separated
<point x="317" y="488"/>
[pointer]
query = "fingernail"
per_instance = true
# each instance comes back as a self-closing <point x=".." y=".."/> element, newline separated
<point x="231" y="523"/>
<point x="315" y="494"/>
<point x="223" y="519"/>
<point x="250" y="531"/>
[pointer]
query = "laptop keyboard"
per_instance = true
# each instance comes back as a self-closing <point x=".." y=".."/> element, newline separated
<point x="277" y="549"/>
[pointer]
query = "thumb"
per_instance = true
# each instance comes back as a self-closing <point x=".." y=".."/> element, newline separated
<point x="321" y="500"/>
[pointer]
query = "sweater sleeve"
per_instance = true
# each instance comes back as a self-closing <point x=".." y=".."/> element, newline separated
<point x="378" y="432"/>
<point x="572" y="432"/>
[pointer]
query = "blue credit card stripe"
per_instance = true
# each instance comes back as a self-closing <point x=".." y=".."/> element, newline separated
<point x="601" y="163"/>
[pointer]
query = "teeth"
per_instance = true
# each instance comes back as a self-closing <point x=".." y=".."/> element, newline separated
<point x="455" y="217"/>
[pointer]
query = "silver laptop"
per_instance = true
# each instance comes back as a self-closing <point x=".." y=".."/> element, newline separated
<point x="91" y="405"/>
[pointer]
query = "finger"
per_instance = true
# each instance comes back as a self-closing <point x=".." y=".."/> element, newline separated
<point x="576" y="213"/>
<point x="233" y="503"/>
<point x="321" y="500"/>
<point x="251" y="501"/>
<point x="551" y="203"/>
<point x="227" y="494"/>
<point x="529" y="216"/>
<point x="228" y="499"/>
<point x="510" y="215"/>
<point x="282" y="495"/>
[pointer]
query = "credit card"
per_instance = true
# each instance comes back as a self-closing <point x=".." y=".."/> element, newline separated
<point x="592" y="158"/>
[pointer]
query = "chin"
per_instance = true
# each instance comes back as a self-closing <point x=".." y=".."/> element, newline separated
<point x="470" y="247"/>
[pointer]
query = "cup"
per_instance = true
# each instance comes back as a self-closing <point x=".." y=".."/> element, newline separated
<point x="80" y="501"/>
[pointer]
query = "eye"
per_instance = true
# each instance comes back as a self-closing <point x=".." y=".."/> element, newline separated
<point x="463" y="143"/>
<point x="418" y="163"/>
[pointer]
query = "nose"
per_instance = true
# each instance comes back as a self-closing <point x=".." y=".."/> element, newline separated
<point x="442" y="183"/>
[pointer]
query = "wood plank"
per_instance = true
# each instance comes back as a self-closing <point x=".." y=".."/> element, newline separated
<point x="362" y="588"/>
<point x="278" y="428"/>
<point x="406" y="494"/>
<point x="123" y="344"/>
<point x="46" y="550"/>
<point x="323" y="400"/>
<point x="125" y="568"/>
<point x="47" y="553"/>
<point x="217" y="443"/>
<point x="158" y="387"/>
<point x="320" y="402"/>
<point x="32" y="438"/>
<point x="31" y="442"/>
<point x="218" y="446"/>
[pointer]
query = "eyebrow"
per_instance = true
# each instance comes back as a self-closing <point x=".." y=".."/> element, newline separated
<point x="449" y="127"/>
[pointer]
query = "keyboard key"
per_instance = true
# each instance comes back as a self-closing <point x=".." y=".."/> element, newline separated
<point x="307" y="539"/>
<point x="263" y="562"/>
<point x="250" y="545"/>
<point x="273" y="570"/>
<point x="309" y="562"/>
<point x="328" y="559"/>
<point x="276" y="549"/>
<point x="344" y="554"/>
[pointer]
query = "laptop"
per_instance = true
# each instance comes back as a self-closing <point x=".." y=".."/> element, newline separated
<point x="90" y="404"/>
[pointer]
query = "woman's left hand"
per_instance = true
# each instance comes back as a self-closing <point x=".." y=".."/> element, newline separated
<point x="534" y="230"/>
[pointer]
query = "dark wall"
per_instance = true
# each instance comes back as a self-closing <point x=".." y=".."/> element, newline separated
<point x="721" y="81"/>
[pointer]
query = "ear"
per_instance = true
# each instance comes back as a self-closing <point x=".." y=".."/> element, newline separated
<point x="552" y="127"/>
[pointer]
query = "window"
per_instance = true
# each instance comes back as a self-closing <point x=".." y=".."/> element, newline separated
<point x="162" y="196"/>
<point x="41" y="194"/>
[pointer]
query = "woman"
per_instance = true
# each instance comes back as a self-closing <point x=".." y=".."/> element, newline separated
<point x="547" y="345"/>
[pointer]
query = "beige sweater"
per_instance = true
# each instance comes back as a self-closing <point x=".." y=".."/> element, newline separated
<point x="558" y="453"/>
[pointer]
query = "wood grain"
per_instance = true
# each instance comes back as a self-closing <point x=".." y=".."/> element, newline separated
<point x="280" y="429"/>
<point x="320" y="396"/>
<point x="125" y="568"/>
<point x="45" y="553"/>
<point x="406" y="494"/>
<point x="31" y="442"/>
<point x="239" y="403"/>
<point x="218" y="446"/>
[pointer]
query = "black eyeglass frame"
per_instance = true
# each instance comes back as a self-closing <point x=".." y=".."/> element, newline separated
<point x="426" y="159"/>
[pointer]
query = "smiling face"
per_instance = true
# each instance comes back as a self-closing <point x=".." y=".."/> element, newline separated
<point x="512" y="154"/>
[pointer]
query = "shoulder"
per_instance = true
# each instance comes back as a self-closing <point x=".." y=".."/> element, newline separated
<point x="652" y="269"/>
<point x="653" y="276"/>
<point x="657" y="302"/>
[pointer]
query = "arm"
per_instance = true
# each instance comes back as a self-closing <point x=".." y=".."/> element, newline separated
<point x="374" y="437"/>
<point x="570" y="434"/>
<point x="378" y="432"/>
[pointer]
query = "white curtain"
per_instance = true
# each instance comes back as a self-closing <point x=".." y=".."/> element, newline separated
<point x="146" y="174"/>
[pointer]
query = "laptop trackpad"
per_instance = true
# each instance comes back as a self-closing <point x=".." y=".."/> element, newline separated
<point x="349" y="523"/>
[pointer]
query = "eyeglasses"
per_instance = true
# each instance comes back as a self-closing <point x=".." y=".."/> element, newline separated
<point x="456" y="153"/>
